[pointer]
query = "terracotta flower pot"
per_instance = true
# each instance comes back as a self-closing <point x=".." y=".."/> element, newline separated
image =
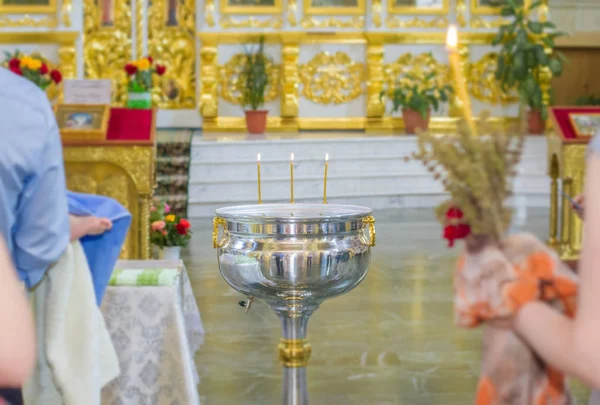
<point x="413" y="120"/>
<point x="256" y="121"/>
<point x="535" y="123"/>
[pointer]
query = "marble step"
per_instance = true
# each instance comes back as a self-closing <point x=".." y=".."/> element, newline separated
<point x="521" y="204"/>
<point x="360" y="148"/>
<point x="366" y="171"/>
<point x="312" y="187"/>
<point x="243" y="170"/>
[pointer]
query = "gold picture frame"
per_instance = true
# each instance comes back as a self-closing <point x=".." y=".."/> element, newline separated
<point x="394" y="8"/>
<point x="8" y="7"/>
<point x="82" y="122"/>
<point x="478" y="9"/>
<point x="311" y="9"/>
<point x="585" y="124"/>
<point x="228" y="8"/>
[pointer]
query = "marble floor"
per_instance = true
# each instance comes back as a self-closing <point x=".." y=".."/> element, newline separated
<point x="390" y="341"/>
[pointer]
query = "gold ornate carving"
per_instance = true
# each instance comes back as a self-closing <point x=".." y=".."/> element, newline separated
<point x="125" y="173"/>
<point x="480" y="22"/>
<point x="332" y="22"/>
<point x="251" y="22"/>
<point x="328" y="79"/>
<point x="482" y="82"/>
<point x="116" y="187"/>
<point x="81" y="183"/>
<point x="229" y="79"/>
<point x="67" y="60"/>
<point x="28" y="21"/>
<point x="289" y="99"/>
<point x="209" y="72"/>
<point x="107" y="49"/>
<point x="291" y="16"/>
<point x="294" y="353"/>
<point x="65" y="12"/>
<point x="175" y="47"/>
<point x="209" y="12"/>
<point x="375" y="80"/>
<point x="416" y="22"/>
<point x="415" y="66"/>
<point x="461" y="12"/>
<point x="139" y="28"/>
<point x="573" y="172"/>
<point x="376" y="12"/>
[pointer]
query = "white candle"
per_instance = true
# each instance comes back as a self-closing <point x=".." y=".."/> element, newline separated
<point x="460" y="85"/>
<point x="325" y="179"/>
<point x="258" y="168"/>
<point x="292" y="178"/>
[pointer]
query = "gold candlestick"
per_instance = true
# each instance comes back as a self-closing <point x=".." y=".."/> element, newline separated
<point x="460" y="86"/>
<point x="292" y="178"/>
<point x="258" y="168"/>
<point x="325" y="179"/>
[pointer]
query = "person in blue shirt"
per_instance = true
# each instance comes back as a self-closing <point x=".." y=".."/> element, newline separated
<point x="38" y="216"/>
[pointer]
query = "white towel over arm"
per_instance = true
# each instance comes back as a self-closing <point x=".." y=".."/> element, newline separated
<point x="76" y="357"/>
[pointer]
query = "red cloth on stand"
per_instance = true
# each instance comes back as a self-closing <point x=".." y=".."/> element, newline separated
<point x="128" y="124"/>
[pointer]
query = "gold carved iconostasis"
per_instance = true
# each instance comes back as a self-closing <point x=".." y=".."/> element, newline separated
<point x="330" y="59"/>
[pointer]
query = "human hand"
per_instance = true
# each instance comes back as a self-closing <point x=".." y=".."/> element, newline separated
<point x="579" y="200"/>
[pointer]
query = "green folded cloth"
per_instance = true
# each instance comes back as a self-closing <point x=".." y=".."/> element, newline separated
<point x="143" y="277"/>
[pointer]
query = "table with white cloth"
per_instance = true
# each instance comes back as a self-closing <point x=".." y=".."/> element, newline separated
<point x="154" y="322"/>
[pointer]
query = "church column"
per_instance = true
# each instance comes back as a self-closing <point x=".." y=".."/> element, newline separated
<point x="289" y="83"/>
<point x="375" y="107"/>
<point x="209" y="72"/>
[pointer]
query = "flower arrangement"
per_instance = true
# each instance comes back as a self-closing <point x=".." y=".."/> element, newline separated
<point x="140" y="74"/>
<point x="168" y="229"/>
<point x="33" y="67"/>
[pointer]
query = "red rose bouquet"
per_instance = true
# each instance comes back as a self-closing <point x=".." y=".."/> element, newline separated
<point x="140" y="74"/>
<point x="168" y="229"/>
<point x="33" y="67"/>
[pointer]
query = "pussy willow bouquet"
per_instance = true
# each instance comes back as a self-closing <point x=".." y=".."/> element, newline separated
<point x="33" y="67"/>
<point x="497" y="274"/>
<point x="168" y="229"/>
<point x="140" y="74"/>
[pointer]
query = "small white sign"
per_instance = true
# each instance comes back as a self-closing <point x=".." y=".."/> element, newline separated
<point x="87" y="92"/>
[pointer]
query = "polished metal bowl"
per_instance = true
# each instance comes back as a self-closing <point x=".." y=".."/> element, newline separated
<point x="294" y="256"/>
<point x="288" y="252"/>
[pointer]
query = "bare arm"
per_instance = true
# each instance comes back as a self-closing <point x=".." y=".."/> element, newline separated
<point x="573" y="345"/>
<point x="17" y="338"/>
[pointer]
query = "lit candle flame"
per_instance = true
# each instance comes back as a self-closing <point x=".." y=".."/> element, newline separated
<point x="327" y="157"/>
<point x="452" y="38"/>
<point x="292" y="157"/>
<point x="258" y="157"/>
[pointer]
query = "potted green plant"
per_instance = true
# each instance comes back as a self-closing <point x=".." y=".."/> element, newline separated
<point x="528" y="59"/>
<point x="590" y="100"/>
<point x="254" y="79"/>
<point x="417" y="96"/>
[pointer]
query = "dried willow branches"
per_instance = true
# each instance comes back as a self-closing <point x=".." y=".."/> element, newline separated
<point x="477" y="171"/>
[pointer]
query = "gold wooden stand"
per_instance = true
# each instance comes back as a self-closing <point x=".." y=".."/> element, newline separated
<point x="566" y="162"/>
<point x="120" y="170"/>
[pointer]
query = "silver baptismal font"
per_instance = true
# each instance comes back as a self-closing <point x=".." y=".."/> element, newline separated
<point x="294" y="257"/>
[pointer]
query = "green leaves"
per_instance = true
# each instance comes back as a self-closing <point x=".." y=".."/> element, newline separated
<point x="535" y="27"/>
<point x="254" y="77"/>
<point x="527" y="54"/>
<point x="418" y="93"/>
